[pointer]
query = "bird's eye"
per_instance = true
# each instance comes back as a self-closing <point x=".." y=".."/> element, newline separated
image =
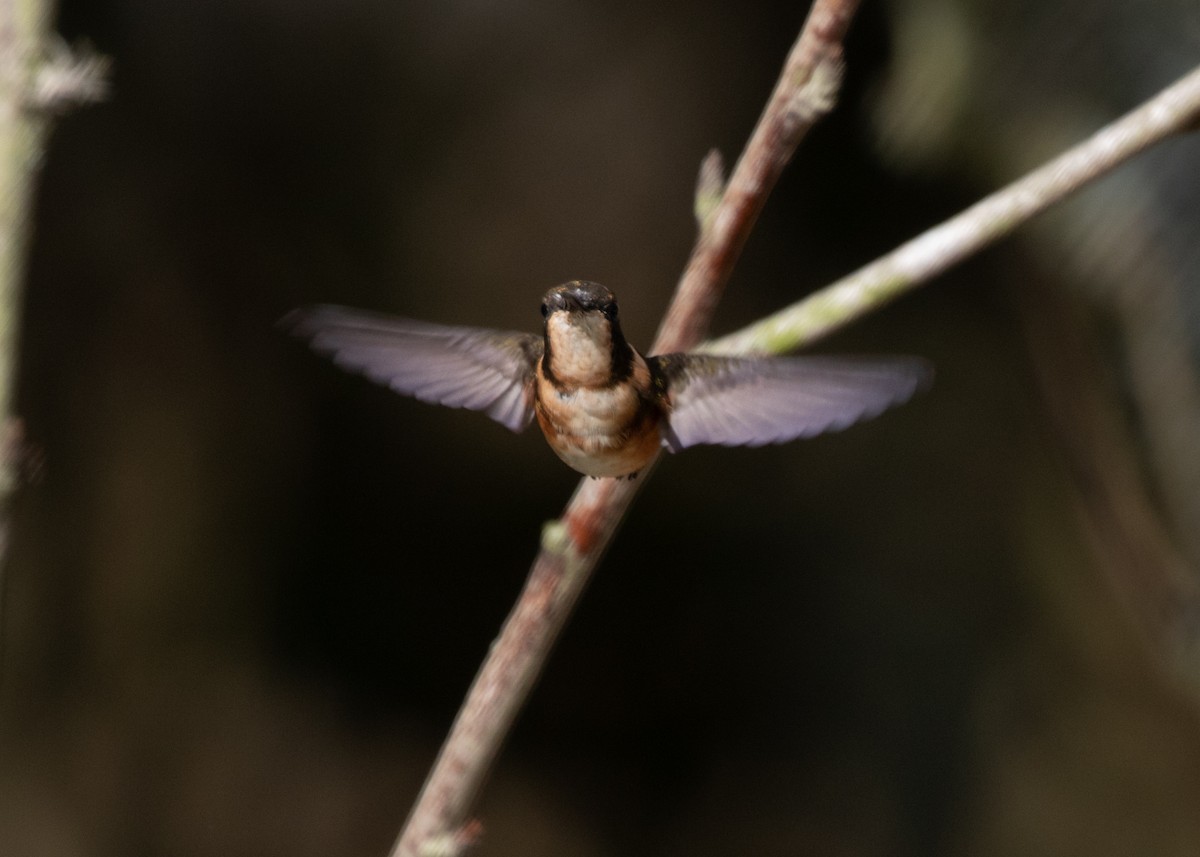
<point x="545" y="309"/>
<point x="610" y="311"/>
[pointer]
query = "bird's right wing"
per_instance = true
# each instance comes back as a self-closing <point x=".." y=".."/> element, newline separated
<point x="739" y="401"/>
<point x="460" y="367"/>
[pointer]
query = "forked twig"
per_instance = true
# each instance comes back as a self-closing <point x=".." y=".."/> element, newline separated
<point x="440" y="823"/>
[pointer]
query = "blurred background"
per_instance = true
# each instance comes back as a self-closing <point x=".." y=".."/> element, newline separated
<point x="248" y="591"/>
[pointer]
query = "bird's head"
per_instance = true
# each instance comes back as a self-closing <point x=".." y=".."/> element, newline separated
<point x="584" y="344"/>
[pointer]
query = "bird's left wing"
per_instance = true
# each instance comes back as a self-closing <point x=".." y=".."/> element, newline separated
<point x="736" y="401"/>
<point x="461" y="367"/>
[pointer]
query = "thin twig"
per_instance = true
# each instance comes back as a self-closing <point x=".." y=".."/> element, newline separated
<point x="1175" y="109"/>
<point x="440" y="822"/>
<point x="805" y="92"/>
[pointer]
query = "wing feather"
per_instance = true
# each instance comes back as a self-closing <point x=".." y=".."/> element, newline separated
<point x="460" y="367"/>
<point x="736" y="401"/>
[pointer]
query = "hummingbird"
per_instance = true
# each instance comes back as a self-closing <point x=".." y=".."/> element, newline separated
<point x="605" y="409"/>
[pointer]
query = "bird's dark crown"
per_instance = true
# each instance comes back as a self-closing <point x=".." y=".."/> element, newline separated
<point x="580" y="295"/>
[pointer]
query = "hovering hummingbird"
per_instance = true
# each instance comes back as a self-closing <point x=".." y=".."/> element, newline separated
<point x="604" y="408"/>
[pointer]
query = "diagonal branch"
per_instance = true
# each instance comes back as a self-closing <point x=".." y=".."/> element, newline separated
<point x="573" y="545"/>
<point x="1174" y="110"/>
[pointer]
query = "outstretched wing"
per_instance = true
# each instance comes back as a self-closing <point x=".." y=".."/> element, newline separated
<point x="461" y="367"/>
<point x="736" y="401"/>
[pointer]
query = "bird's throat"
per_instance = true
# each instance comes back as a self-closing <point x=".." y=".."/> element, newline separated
<point x="581" y="349"/>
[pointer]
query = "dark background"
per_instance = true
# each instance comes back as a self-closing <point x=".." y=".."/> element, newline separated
<point x="248" y="591"/>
